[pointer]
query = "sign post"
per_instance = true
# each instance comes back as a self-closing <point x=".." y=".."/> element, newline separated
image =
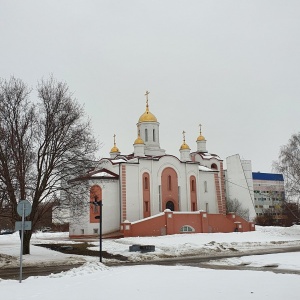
<point x="23" y="209"/>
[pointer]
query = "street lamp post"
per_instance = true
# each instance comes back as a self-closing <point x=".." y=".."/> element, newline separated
<point x="99" y="203"/>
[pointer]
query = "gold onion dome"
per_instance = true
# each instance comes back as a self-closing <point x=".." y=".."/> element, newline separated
<point x="147" y="116"/>
<point x="184" y="146"/>
<point x="114" y="149"/>
<point x="200" y="137"/>
<point x="138" y="141"/>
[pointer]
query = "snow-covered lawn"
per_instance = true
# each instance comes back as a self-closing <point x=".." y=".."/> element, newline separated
<point x="95" y="280"/>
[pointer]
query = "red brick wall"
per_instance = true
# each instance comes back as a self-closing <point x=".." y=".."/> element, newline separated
<point x="123" y="192"/>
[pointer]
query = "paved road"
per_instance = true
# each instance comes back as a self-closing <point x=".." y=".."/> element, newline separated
<point x="199" y="261"/>
<point x="14" y="273"/>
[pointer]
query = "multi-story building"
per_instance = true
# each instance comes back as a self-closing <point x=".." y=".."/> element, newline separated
<point x="258" y="193"/>
<point x="268" y="193"/>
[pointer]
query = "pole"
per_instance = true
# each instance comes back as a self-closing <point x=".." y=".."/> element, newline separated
<point x="22" y="239"/>
<point x="100" y="229"/>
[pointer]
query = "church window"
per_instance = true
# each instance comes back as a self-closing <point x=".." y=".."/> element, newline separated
<point x="95" y="231"/>
<point x="146" y="183"/>
<point x="193" y="185"/>
<point x="206" y="207"/>
<point x="169" y="183"/>
<point x="146" y="135"/>
<point x="146" y="206"/>
<point x="153" y="135"/>
<point x="159" y="198"/>
<point x="214" y="167"/>
<point x="193" y="206"/>
<point x="205" y="186"/>
<point x="187" y="228"/>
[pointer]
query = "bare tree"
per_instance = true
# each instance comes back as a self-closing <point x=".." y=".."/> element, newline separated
<point x="234" y="205"/>
<point x="288" y="164"/>
<point x="42" y="145"/>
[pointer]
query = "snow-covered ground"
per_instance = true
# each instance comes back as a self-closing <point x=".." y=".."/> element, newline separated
<point x="95" y="280"/>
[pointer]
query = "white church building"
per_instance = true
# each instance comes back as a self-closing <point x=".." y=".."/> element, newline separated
<point x="148" y="183"/>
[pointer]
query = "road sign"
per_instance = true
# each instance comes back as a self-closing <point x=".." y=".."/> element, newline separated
<point x="24" y="204"/>
<point x="27" y="225"/>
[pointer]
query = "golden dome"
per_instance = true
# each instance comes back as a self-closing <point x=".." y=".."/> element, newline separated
<point x="184" y="146"/>
<point x="147" y="116"/>
<point x="138" y="141"/>
<point x="114" y="149"/>
<point x="200" y="138"/>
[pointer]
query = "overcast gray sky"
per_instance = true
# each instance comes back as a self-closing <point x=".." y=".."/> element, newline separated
<point x="232" y="66"/>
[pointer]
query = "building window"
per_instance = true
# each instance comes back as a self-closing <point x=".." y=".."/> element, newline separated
<point x="146" y="183"/>
<point x="169" y="183"/>
<point x="95" y="231"/>
<point x="153" y="135"/>
<point x="82" y="231"/>
<point x="214" y="167"/>
<point x="206" y="207"/>
<point x="193" y="185"/>
<point x="146" y="206"/>
<point x="146" y="135"/>
<point x="193" y="206"/>
<point x="187" y="228"/>
<point x="205" y="186"/>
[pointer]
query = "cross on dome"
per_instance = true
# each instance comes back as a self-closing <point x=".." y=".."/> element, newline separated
<point x="147" y="116"/>
<point x="114" y="149"/>
<point x="146" y="94"/>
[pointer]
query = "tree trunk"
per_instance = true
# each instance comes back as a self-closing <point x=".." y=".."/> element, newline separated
<point x="26" y="241"/>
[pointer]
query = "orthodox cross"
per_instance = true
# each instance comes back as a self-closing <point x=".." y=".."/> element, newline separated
<point x="200" y="128"/>
<point x="183" y="134"/>
<point x="114" y="140"/>
<point x="146" y="94"/>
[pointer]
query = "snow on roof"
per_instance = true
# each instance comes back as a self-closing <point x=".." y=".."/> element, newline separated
<point x="206" y="155"/>
<point x="119" y="160"/>
<point x="205" y="169"/>
<point x="102" y="174"/>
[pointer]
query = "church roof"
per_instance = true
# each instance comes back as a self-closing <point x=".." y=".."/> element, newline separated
<point x="147" y="116"/>
<point x="97" y="174"/>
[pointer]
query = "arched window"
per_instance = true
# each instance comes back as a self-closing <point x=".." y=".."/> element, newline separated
<point x="187" y="228"/>
<point x="153" y="135"/>
<point x="146" y="135"/>
<point x="193" y="185"/>
<point x="214" y="167"/>
<point x="169" y="183"/>
<point x="146" y="183"/>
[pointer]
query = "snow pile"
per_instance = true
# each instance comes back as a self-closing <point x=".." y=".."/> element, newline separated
<point x="87" y="268"/>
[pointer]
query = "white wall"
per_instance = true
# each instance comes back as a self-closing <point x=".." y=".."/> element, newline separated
<point x="239" y="184"/>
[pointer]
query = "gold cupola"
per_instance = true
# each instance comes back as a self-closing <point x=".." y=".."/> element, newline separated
<point x="114" y="149"/>
<point x="184" y="146"/>
<point x="147" y="116"/>
<point x="139" y="140"/>
<point x="200" y="137"/>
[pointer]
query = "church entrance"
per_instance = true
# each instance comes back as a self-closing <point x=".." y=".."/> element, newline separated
<point x="170" y="205"/>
